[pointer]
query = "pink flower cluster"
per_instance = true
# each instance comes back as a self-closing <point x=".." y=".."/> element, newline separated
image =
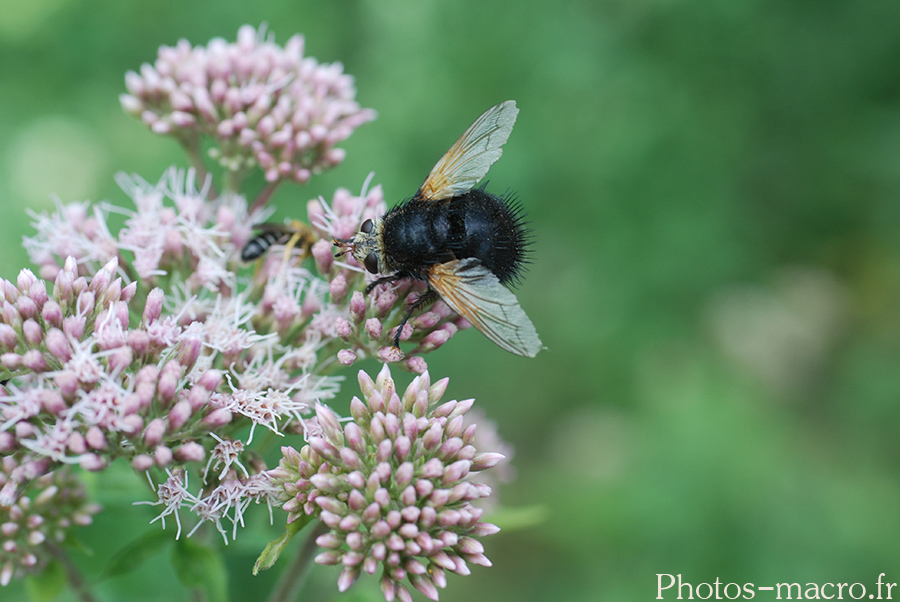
<point x="393" y="486"/>
<point x="158" y="345"/>
<point x="262" y="104"/>
<point x="33" y="522"/>
<point x="175" y="232"/>
<point x="88" y="385"/>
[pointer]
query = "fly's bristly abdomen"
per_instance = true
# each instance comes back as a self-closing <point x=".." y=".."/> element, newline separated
<point x="477" y="224"/>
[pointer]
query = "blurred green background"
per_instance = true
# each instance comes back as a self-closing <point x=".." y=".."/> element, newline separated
<point x="714" y="188"/>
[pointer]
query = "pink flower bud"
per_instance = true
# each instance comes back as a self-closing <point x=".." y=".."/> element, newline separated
<point x="120" y="359"/>
<point x="167" y="386"/>
<point x="189" y="351"/>
<point x="63" y="286"/>
<point x="52" y="313"/>
<point x="128" y="292"/>
<point x="25" y="280"/>
<point x="357" y="307"/>
<point x="315" y="212"/>
<point x="198" y="397"/>
<point x="355" y="438"/>
<point x="11" y="361"/>
<point x="427" y="320"/>
<point x="79" y="286"/>
<point x="144" y="393"/>
<point x="154" y="432"/>
<point x="179" y="414"/>
<point x="390" y="354"/>
<point x="162" y="456"/>
<point x="121" y="311"/>
<point x="38" y="293"/>
<point x="311" y="304"/>
<point x="322" y="253"/>
<point x="8" y="337"/>
<point x="153" y="307"/>
<point x="417" y="365"/>
<point x="453" y="430"/>
<point x="100" y="281"/>
<point x="132" y="424"/>
<point x="385" y="302"/>
<point x="52" y="402"/>
<point x="210" y="380"/>
<point x="142" y="462"/>
<point x="73" y="326"/>
<point x="455" y="472"/>
<point x="25" y="430"/>
<point x="11" y="315"/>
<point x="217" y="419"/>
<point x="67" y="383"/>
<point x="437" y="390"/>
<point x="85" y="304"/>
<point x="139" y="341"/>
<point x="435" y="339"/>
<point x="8" y="290"/>
<point x="373" y="328"/>
<point x="190" y="452"/>
<point x="346" y="357"/>
<point x="92" y="463"/>
<point x="27" y="308"/>
<point x="405" y="333"/>
<point x="487" y="460"/>
<point x="342" y="328"/>
<point x="76" y="443"/>
<point x="147" y="374"/>
<point x="338" y="288"/>
<point x="111" y="293"/>
<point x="95" y="438"/>
<point x="34" y="360"/>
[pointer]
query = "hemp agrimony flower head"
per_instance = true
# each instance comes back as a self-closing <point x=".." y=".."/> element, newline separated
<point x="156" y="344"/>
<point x="34" y="523"/>
<point x="393" y="486"/>
<point x="261" y="103"/>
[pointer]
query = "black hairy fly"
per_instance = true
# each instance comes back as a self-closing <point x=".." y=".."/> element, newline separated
<point x="467" y="243"/>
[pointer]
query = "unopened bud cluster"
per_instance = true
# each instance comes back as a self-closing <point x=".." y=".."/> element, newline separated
<point x="33" y="522"/>
<point x="393" y="486"/>
<point x="261" y="103"/>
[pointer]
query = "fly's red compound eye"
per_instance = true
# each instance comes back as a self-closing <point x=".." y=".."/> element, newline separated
<point x="366" y="228"/>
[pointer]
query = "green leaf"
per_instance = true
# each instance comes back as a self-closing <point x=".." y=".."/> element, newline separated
<point x="276" y="546"/>
<point x="48" y="584"/>
<point x="201" y="567"/>
<point x="136" y="552"/>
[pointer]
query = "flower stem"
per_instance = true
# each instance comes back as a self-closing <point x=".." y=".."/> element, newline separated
<point x="264" y="195"/>
<point x="191" y="146"/>
<point x="79" y="586"/>
<point x="294" y="575"/>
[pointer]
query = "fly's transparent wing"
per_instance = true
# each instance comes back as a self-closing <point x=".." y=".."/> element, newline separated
<point x="477" y="295"/>
<point x="470" y="158"/>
